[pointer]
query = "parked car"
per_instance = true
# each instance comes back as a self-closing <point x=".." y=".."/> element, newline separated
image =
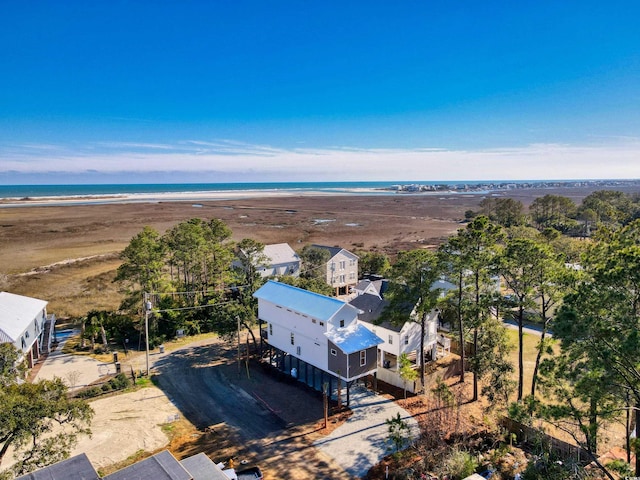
<point x="253" y="473"/>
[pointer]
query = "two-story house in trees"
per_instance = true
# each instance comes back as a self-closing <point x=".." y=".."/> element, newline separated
<point x="25" y="324"/>
<point x="398" y="338"/>
<point x="314" y="338"/>
<point x="341" y="269"/>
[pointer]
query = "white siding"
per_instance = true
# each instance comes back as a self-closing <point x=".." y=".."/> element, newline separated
<point x="308" y="336"/>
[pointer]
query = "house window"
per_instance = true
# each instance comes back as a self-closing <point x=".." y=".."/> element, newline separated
<point x="293" y="340"/>
<point x="343" y="264"/>
<point x="363" y="358"/>
<point x="333" y="265"/>
<point x="334" y="352"/>
<point x="322" y="324"/>
<point x="352" y="263"/>
<point x="298" y="350"/>
<point x="352" y="276"/>
<point x="313" y="320"/>
<point x="26" y="334"/>
<point x="343" y="278"/>
<point x="271" y="329"/>
<point x="390" y="340"/>
<point x="341" y="323"/>
<point x="24" y="344"/>
<point x="406" y="339"/>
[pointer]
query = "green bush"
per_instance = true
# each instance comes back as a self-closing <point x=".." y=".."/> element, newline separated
<point x="89" y="392"/>
<point x="461" y="464"/>
<point x="106" y="387"/>
<point x="121" y="381"/>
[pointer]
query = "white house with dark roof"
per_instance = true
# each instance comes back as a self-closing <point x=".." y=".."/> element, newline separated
<point x="398" y="339"/>
<point x="320" y="331"/>
<point x="25" y="324"/>
<point x="341" y="269"/>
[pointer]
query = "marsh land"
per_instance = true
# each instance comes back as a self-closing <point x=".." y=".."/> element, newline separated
<point x="68" y="254"/>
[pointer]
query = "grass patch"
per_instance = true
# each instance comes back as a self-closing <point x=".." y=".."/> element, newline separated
<point x="144" y="382"/>
<point x="74" y="289"/>
<point x="530" y="351"/>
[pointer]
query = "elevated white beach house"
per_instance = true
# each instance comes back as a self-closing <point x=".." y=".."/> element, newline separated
<point x="341" y="269"/>
<point x="319" y="330"/>
<point x="24" y="323"/>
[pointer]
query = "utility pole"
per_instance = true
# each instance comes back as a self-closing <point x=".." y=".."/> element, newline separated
<point x="147" y="310"/>
<point x="239" y="367"/>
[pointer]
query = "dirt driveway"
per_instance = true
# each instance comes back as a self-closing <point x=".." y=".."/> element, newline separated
<point x="273" y="422"/>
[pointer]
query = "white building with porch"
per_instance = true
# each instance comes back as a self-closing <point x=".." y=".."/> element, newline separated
<point x="25" y="324"/>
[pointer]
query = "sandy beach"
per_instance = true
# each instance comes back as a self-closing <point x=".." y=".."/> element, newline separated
<point x="67" y="252"/>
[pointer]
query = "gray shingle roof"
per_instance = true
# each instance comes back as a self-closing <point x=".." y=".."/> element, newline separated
<point x="372" y="308"/>
<point x="77" y="468"/>
<point x="161" y="466"/>
<point x="202" y="468"/>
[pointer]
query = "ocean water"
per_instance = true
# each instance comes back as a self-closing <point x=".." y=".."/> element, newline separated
<point x="37" y="191"/>
<point x="91" y="190"/>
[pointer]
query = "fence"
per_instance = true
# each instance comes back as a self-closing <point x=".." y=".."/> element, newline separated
<point x="533" y="436"/>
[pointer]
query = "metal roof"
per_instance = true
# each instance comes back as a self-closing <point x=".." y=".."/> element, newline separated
<point x="280" y="253"/>
<point x="353" y="338"/>
<point x="16" y="313"/>
<point x="302" y="301"/>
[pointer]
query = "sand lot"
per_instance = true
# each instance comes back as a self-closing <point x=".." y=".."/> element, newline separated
<point x="126" y="423"/>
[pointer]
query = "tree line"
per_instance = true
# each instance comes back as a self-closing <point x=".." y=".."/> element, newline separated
<point x="585" y="291"/>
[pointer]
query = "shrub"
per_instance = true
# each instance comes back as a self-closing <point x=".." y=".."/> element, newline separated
<point x="89" y="392"/>
<point x="461" y="464"/>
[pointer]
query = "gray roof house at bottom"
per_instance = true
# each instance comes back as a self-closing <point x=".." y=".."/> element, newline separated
<point x="161" y="466"/>
<point x="77" y="468"/>
<point x="202" y="468"/>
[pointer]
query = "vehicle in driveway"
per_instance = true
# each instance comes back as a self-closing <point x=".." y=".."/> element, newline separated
<point x="253" y="473"/>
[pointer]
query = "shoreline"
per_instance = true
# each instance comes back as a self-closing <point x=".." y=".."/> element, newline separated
<point x="52" y="195"/>
<point x="195" y="196"/>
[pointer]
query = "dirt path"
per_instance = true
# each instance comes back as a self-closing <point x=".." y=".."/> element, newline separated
<point x="274" y="422"/>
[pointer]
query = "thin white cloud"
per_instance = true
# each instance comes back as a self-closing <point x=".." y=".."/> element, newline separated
<point x="613" y="159"/>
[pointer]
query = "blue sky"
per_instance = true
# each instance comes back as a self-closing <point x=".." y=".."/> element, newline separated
<point x="252" y="90"/>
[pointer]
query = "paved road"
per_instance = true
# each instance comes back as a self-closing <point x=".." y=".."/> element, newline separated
<point x="362" y="441"/>
<point x="528" y="328"/>
<point x="76" y="370"/>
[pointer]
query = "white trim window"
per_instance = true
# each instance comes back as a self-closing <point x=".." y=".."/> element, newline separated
<point x="363" y="358"/>
<point x="334" y="352"/>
